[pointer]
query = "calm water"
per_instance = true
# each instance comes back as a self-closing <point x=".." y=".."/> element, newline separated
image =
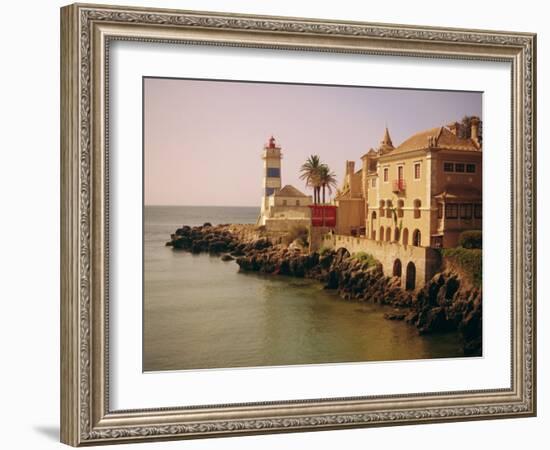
<point x="201" y="312"/>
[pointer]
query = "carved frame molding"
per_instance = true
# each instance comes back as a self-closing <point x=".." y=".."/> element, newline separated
<point x="86" y="32"/>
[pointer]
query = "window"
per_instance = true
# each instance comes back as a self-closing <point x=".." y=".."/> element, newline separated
<point x="373" y="183"/>
<point x="389" y="206"/>
<point x="465" y="211"/>
<point x="416" y="240"/>
<point x="386" y="174"/>
<point x="471" y="168"/>
<point x="448" y="167"/>
<point x="284" y="202"/>
<point x="400" y="173"/>
<point x="400" y="205"/>
<point x="451" y="211"/>
<point x="274" y="172"/>
<point x="416" y="171"/>
<point x="417" y="204"/>
<point x="459" y="167"/>
<point x="477" y="211"/>
<point x="297" y="202"/>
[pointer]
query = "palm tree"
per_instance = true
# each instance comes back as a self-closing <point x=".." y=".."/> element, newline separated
<point x="310" y="173"/>
<point x="327" y="178"/>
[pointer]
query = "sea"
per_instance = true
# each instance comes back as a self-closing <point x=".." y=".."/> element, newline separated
<point x="200" y="312"/>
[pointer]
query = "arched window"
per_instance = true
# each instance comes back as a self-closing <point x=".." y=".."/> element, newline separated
<point x="388" y="234"/>
<point x="417" y="204"/>
<point x="396" y="234"/>
<point x="410" y="281"/>
<point x="397" y="268"/>
<point x="382" y="206"/>
<point x="405" y="236"/>
<point x="389" y="206"/>
<point x="400" y="205"/>
<point x="416" y="240"/>
<point x="381" y="237"/>
<point x="372" y="221"/>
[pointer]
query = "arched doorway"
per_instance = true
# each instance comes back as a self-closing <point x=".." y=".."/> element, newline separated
<point x="416" y="238"/>
<point x="396" y="234"/>
<point x="388" y="234"/>
<point x="410" y="281"/>
<point x="397" y="268"/>
<point x="405" y="236"/>
<point x="372" y="229"/>
<point x="381" y="237"/>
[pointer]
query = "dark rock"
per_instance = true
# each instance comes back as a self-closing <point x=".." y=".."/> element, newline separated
<point x="395" y="316"/>
<point x="412" y="317"/>
<point x="217" y="246"/>
<point x="433" y="320"/>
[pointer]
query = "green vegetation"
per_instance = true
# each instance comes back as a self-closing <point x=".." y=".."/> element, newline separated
<point x="298" y="232"/>
<point x="365" y="258"/>
<point x="318" y="176"/>
<point x="467" y="260"/>
<point x="323" y="251"/>
<point x="471" y="239"/>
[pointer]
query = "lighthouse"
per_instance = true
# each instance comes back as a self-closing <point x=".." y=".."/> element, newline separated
<point x="272" y="172"/>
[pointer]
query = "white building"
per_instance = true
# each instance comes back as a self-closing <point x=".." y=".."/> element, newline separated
<point x="281" y="208"/>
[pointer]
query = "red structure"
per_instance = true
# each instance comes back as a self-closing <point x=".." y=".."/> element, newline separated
<point x="323" y="215"/>
<point x="399" y="185"/>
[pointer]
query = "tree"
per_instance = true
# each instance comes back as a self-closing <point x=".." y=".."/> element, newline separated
<point x="310" y="172"/>
<point x="327" y="179"/>
<point x="464" y="130"/>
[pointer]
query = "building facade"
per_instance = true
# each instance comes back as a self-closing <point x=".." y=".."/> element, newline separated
<point x="424" y="192"/>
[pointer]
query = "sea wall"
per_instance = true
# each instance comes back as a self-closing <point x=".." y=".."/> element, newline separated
<point x="414" y="266"/>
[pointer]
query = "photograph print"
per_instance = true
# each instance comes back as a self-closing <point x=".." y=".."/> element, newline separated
<point x="295" y="224"/>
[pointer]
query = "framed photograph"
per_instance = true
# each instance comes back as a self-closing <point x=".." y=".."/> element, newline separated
<point x="275" y="224"/>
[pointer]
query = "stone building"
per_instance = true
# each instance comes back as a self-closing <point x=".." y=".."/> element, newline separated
<point x="424" y="192"/>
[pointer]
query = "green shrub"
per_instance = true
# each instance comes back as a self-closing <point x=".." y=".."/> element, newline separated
<point x="365" y="258"/>
<point x="471" y="239"/>
<point x="467" y="260"/>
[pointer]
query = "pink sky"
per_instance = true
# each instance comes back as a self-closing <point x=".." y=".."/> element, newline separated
<point x="203" y="140"/>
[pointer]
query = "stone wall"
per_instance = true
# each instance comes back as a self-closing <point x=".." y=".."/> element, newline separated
<point x="410" y="263"/>
<point x="277" y="229"/>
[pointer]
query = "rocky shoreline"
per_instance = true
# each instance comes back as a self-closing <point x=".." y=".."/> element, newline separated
<point x="446" y="303"/>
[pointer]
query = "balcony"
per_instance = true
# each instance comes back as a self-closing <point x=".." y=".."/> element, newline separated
<point x="398" y="185"/>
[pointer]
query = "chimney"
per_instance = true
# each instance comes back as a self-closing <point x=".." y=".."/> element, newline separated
<point x="474" y="129"/>
<point x="350" y="167"/>
<point x="453" y="128"/>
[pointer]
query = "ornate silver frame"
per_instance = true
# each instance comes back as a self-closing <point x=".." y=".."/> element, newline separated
<point x="86" y="31"/>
